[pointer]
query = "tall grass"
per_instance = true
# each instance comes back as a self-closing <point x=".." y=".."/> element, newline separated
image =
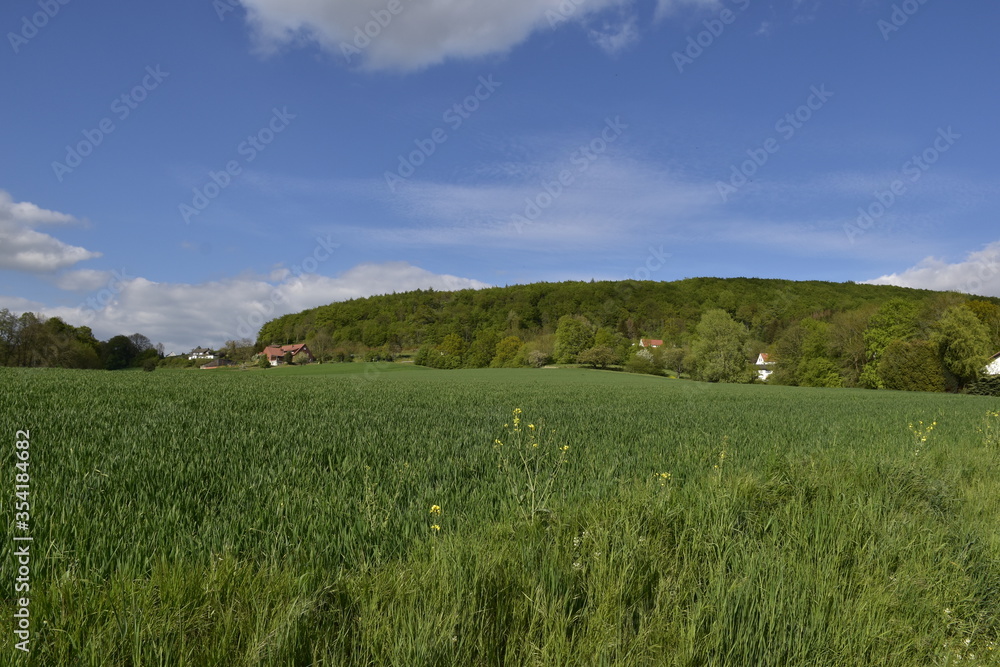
<point x="287" y="518"/>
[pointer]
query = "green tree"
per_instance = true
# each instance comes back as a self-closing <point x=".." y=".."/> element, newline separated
<point x="643" y="362"/>
<point x="911" y="366"/>
<point x="573" y="335"/>
<point x="118" y="353"/>
<point x="600" y="356"/>
<point x="847" y="343"/>
<point x="506" y="352"/>
<point x="320" y="344"/>
<point x="964" y="343"/>
<point x="896" y="319"/>
<point x="719" y="349"/>
<point x="989" y="314"/>
<point x="483" y="348"/>
<point x="675" y="358"/>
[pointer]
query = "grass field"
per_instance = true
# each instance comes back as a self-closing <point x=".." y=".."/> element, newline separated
<point x="366" y="515"/>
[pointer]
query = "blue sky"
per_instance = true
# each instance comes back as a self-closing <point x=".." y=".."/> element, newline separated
<point x="190" y="169"/>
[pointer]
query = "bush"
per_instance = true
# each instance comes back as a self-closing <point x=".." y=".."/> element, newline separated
<point x="643" y="362"/>
<point x="538" y="358"/>
<point x="912" y="366"/>
<point x="149" y="365"/>
<point x="598" y="357"/>
<point x="988" y="386"/>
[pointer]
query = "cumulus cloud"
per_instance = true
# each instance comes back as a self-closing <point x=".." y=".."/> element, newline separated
<point x="418" y="34"/>
<point x="183" y="316"/>
<point x="978" y="273"/>
<point x="24" y="249"/>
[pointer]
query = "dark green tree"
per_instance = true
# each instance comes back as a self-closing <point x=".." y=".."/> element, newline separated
<point x="911" y="366"/>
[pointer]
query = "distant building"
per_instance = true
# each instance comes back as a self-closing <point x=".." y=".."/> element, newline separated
<point x="650" y="342"/>
<point x="201" y="353"/>
<point x="765" y="366"/>
<point x="300" y="354"/>
<point x="993" y="368"/>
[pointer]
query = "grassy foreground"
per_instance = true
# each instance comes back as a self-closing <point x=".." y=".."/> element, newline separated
<point x="321" y="516"/>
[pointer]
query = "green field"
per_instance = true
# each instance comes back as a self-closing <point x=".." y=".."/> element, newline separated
<point x="287" y="517"/>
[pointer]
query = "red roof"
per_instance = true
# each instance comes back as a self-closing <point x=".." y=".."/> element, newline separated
<point x="273" y="351"/>
<point x="643" y="342"/>
<point x="765" y="357"/>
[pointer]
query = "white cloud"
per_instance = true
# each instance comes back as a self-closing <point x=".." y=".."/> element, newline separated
<point x="84" y="280"/>
<point x="419" y="35"/>
<point x="978" y="273"/>
<point x="24" y="249"/>
<point x="183" y="316"/>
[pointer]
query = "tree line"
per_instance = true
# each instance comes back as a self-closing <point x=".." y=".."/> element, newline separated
<point x="35" y="341"/>
<point x="818" y="333"/>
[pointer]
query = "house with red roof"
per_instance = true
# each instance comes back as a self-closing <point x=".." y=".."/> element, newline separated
<point x="650" y="342"/>
<point x="300" y="354"/>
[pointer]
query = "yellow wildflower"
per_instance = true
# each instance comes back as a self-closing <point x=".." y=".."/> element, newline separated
<point x="435" y="509"/>
<point x="436" y="528"/>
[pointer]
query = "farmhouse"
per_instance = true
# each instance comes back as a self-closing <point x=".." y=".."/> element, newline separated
<point x="765" y="366"/>
<point x="993" y="368"/>
<point x="201" y="353"/>
<point x="650" y="342"/>
<point x="300" y="354"/>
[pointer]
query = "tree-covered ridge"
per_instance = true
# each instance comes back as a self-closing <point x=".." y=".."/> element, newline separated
<point x="820" y="333"/>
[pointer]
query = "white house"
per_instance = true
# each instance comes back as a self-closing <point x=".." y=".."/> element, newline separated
<point x="993" y="368"/>
<point x="764" y="366"/>
<point x="201" y="353"/>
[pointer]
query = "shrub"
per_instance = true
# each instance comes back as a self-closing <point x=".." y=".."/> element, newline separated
<point x="988" y="386"/>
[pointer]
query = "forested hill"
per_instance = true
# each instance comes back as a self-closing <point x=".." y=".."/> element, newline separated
<point x="846" y="323"/>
